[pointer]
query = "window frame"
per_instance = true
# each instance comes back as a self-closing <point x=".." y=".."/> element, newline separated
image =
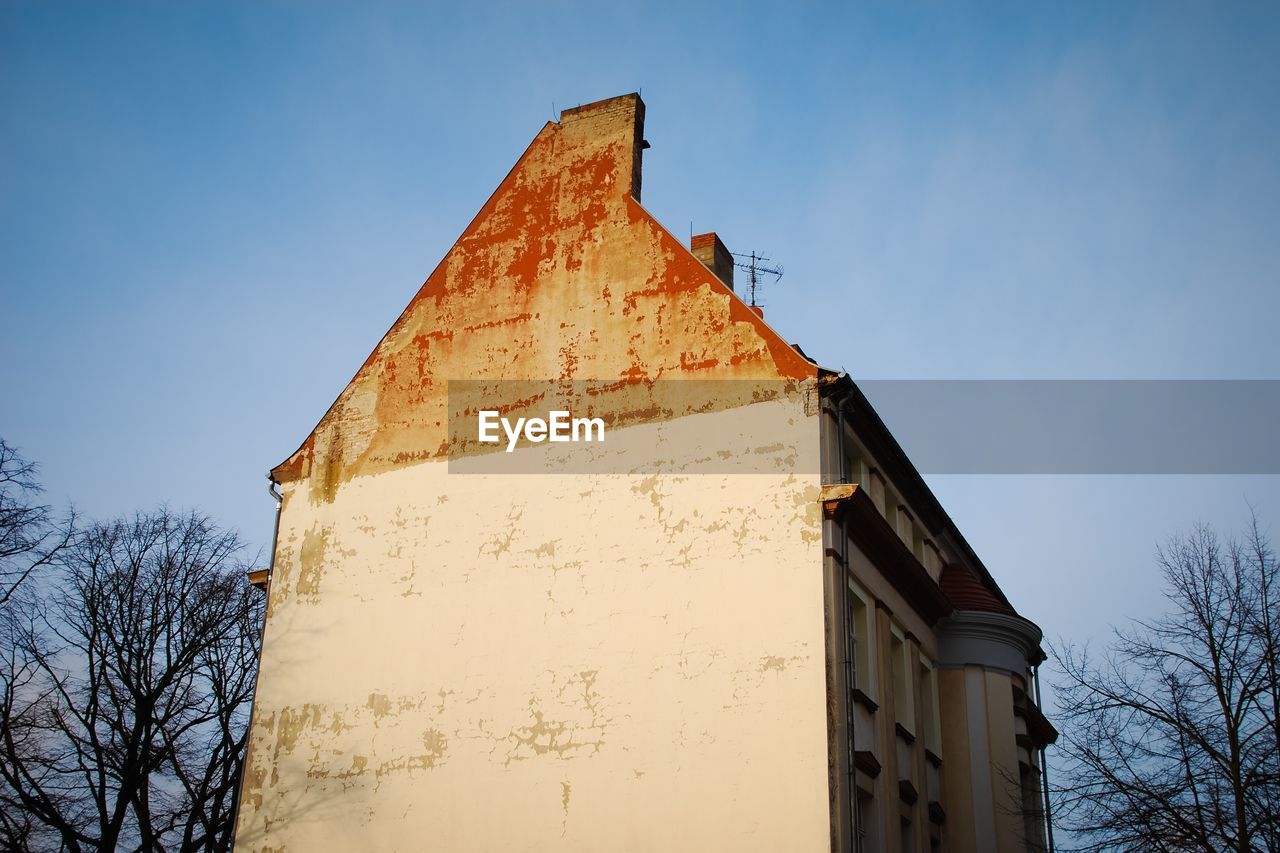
<point x="861" y="643"/>
<point x="930" y="717"/>
<point x="901" y="659"/>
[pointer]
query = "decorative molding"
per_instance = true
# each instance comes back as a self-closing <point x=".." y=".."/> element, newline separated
<point x="865" y="760"/>
<point x="1039" y="729"/>
<point x="833" y="495"/>
<point x="864" y="700"/>
<point x="995" y="640"/>
<point x="869" y="530"/>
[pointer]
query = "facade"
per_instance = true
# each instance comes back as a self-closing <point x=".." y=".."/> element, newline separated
<point x="785" y="646"/>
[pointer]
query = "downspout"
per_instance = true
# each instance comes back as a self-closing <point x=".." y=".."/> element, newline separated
<point x="840" y="440"/>
<point x="851" y="793"/>
<point x="253" y="698"/>
<point x="1044" y="767"/>
<point x="275" y="537"/>
<point x="851" y="781"/>
<point x="848" y="696"/>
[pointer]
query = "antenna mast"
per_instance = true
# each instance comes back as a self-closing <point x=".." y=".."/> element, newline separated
<point x="752" y="264"/>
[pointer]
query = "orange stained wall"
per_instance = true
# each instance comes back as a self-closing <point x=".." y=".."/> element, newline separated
<point x="563" y="275"/>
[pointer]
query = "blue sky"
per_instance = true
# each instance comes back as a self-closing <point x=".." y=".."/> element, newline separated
<point x="210" y="213"/>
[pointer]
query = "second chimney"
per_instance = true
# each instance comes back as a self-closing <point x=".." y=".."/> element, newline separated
<point x="714" y="256"/>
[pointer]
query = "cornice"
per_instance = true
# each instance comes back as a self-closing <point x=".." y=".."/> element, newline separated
<point x="868" y="530"/>
<point x="898" y="468"/>
<point x="983" y="638"/>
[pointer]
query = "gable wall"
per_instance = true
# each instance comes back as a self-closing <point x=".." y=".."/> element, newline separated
<point x="550" y="661"/>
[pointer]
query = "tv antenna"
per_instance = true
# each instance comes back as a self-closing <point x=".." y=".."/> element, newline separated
<point x="752" y="264"/>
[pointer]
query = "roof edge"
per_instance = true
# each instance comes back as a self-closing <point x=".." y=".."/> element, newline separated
<point x="904" y="474"/>
<point x="280" y="473"/>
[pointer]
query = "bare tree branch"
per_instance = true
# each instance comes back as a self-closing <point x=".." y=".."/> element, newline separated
<point x="1171" y="740"/>
<point x="125" y="691"/>
<point x="30" y="536"/>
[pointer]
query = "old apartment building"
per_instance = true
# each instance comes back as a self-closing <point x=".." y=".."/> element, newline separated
<point x="741" y="622"/>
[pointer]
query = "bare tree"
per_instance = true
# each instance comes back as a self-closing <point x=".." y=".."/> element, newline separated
<point x="126" y="690"/>
<point x="30" y="535"/>
<point x="1171" y="739"/>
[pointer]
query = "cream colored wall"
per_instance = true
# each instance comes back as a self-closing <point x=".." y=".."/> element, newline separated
<point x="980" y="764"/>
<point x="960" y="826"/>
<point x="543" y="662"/>
<point x="1005" y="793"/>
<point x="551" y="661"/>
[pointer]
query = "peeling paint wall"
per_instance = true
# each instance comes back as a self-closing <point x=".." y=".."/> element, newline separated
<point x="541" y="661"/>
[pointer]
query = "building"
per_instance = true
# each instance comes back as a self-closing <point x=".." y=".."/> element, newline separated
<point x="663" y="652"/>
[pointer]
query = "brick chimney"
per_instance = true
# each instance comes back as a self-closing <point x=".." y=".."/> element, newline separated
<point x="617" y="123"/>
<point x="714" y="256"/>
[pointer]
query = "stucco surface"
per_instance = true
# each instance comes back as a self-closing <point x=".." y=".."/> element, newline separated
<point x="562" y="275"/>
<point x="559" y="662"/>
<point x="550" y="661"/>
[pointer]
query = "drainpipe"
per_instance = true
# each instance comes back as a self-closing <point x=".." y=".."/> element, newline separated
<point x="849" y="712"/>
<point x="840" y="440"/>
<point x="1044" y="767"/>
<point x="253" y="696"/>
<point x="838" y="403"/>
<point x="275" y="537"/>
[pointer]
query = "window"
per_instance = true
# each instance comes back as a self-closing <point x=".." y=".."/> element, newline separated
<point x="877" y="491"/>
<point x="929" y="718"/>
<point x="861" y="813"/>
<point x="903" y="698"/>
<point x="1032" y="805"/>
<point x="906" y="526"/>
<point x="860" y="670"/>
<point x="852" y="462"/>
<point x="932" y="559"/>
